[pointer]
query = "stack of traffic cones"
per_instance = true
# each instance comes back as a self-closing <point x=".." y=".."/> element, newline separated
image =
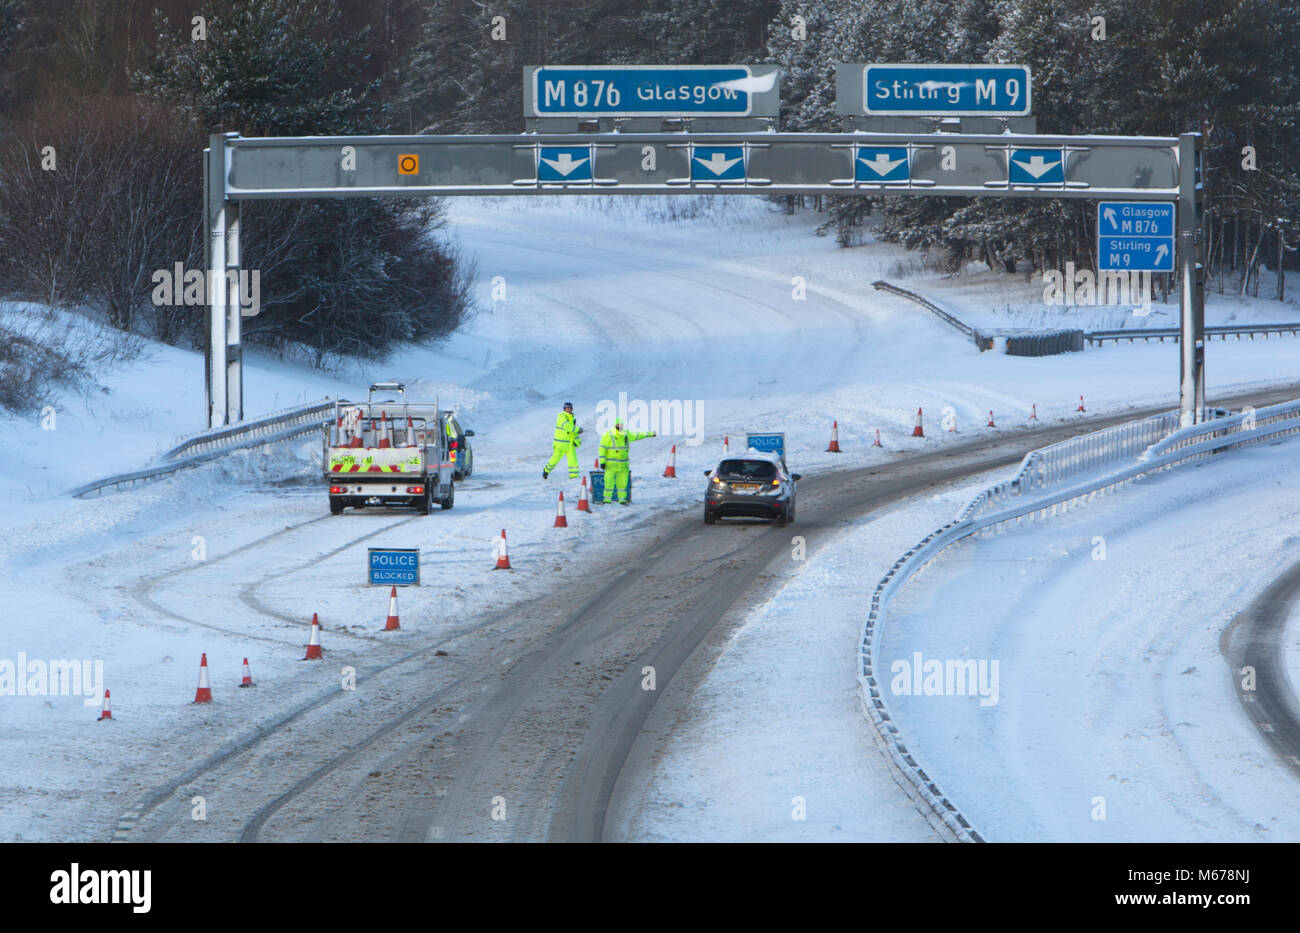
<point x="834" y="447"/>
<point x="386" y="437"/>
<point x="560" y="520"/>
<point x="204" y="693"/>
<point x="392" y="625"/>
<point x="314" y="650"/>
<point x="671" y="469"/>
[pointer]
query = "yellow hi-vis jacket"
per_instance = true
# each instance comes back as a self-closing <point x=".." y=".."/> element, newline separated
<point x="566" y="429"/>
<point x="613" y="447"/>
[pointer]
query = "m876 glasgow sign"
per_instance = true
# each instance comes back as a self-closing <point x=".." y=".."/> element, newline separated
<point x="650" y="91"/>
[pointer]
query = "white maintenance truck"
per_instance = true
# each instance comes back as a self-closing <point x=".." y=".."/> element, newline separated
<point x="390" y="453"/>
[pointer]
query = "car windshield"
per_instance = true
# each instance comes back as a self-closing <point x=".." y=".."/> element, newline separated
<point x="748" y="469"/>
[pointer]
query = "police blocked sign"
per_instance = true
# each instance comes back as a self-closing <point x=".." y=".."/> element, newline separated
<point x="390" y="566"/>
<point x="766" y="443"/>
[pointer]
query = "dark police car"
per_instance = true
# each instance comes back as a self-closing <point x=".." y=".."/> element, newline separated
<point x="753" y="485"/>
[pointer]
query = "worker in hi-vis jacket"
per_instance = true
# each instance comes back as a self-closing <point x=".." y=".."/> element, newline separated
<point x="565" y="443"/>
<point x="613" y="459"/>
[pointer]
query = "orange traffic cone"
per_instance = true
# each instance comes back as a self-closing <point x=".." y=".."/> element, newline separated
<point x="834" y="447"/>
<point x="877" y="443"/>
<point x="503" y="558"/>
<point x="991" y="424"/>
<point x="560" y="520"/>
<point x="358" y="439"/>
<point x="917" y="431"/>
<point x="248" y="676"/>
<point x="314" y="651"/>
<point x="410" y="432"/>
<point x="1080" y="408"/>
<point x="106" y="712"/>
<point x="952" y="425"/>
<point x="671" y="469"/>
<point x="726" y="446"/>
<point x="583" y="504"/>
<point x="204" y="693"/>
<point x="392" y="625"/>
<point x="385" y="438"/>
<point x="1033" y="414"/>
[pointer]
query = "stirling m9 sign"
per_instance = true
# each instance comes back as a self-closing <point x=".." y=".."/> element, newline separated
<point x="946" y="90"/>
<point x="651" y="91"/>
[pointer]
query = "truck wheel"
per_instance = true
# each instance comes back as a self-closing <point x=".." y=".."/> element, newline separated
<point x="336" y="506"/>
<point x="451" y="497"/>
<point x="425" y="504"/>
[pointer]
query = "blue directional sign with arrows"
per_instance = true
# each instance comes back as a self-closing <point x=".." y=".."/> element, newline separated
<point x="718" y="163"/>
<point x="1036" y="167"/>
<point x="564" y="163"/>
<point x="1135" y="235"/>
<point x="881" y="164"/>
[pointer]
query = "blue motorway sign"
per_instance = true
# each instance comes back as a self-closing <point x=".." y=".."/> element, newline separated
<point x="1036" y="167"/>
<point x="768" y="443"/>
<point x="564" y="163"/>
<point x="1135" y="235"/>
<point x="649" y="90"/>
<point x="946" y="90"/>
<point x="883" y="164"/>
<point x="718" y="163"/>
<point x="391" y="566"/>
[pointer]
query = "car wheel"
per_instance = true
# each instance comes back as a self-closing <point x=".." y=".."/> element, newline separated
<point x="450" y="501"/>
<point x="336" y="506"/>
<point x="790" y="516"/>
<point x="782" y="520"/>
<point x="709" y="517"/>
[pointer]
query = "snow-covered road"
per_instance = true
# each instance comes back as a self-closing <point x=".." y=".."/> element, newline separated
<point x="739" y="310"/>
<point x="1115" y="716"/>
